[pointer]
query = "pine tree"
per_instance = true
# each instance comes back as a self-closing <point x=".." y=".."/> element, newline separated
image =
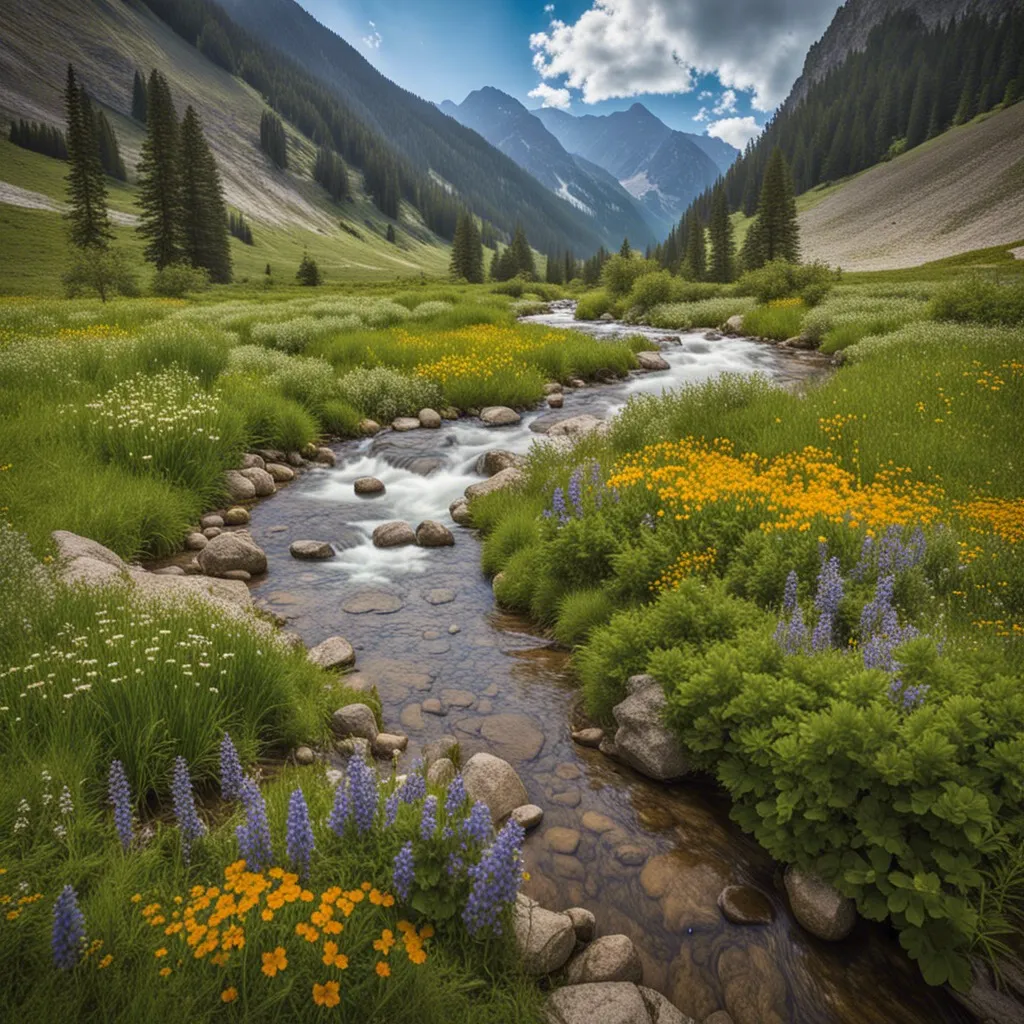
<point x="467" y="259"/>
<point x="140" y="103"/>
<point x="213" y="43"/>
<point x="87" y="191"/>
<point x="308" y="273"/>
<point x="695" y="262"/>
<point x="569" y="269"/>
<point x="273" y="140"/>
<point x="522" y="255"/>
<point x="920" y="110"/>
<point x="723" y="247"/>
<point x="391" y="236"/>
<point x="330" y="172"/>
<point x="625" y="250"/>
<point x="160" y="178"/>
<point x="204" y="232"/>
<point x="110" y="153"/>
<point x="774" y="235"/>
<point x="495" y="268"/>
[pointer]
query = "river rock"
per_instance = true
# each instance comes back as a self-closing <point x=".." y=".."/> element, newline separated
<point x="495" y="460"/>
<point x="251" y="459"/>
<point x="459" y="511"/>
<point x="294" y="459"/>
<point x="594" y="821"/>
<point x="609" y="958"/>
<point x="375" y="602"/>
<point x="232" y="551"/>
<point x="661" y="1010"/>
<point x="431" y="534"/>
<point x="630" y="855"/>
<point x="498" y="416"/>
<point x="577" y="426"/>
<point x="641" y="739"/>
<point x="280" y="472"/>
<point x="513" y="735"/>
<point x="607" y="318"/>
<point x="556" y="401"/>
<point x="439" y="595"/>
<point x="494" y="781"/>
<point x="651" y="361"/>
<point x="211" y="520"/>
<point x="368" y="427"/>
<point x="387" y="744"/>
<point x="403" y="423"/>
<point x="529" y="816"/>
<point x="742" y="904"/>
<point x="821" y="908"/>
<point x="719" y="1017"/>
<point x="734" y="325"/>
<point x="446" y="746"/>
<point x="510" y="477"/>
<point x="562" y="840"/>
<point x="607" y="1002"/>
<point x="326" y="456"/>
<point x="236" y="574"/>
<point x="430" y="418"/>
<point x="368" y="485"/>
<point x="195" y="542"/>
<point x="393" y="535"/>
<point x="584" y="923"/>
<point x="304" y="755"/>
<point x="545" y="939"/>
<point x="588" y="737"/>
<point x="239" y="488"/>
<point x="552" y="388"/>
<point x="334" y="652"/>
<point x="210" y="532"/>
<point x="170" y="570"/>
<point x="432" y="706"/>
<point x="355" y="720"/>
<point x="311" y="550"/>
<point x="271" y="455"/>
<point x="261" y="480"/>
<point x="441" y="772"/>
<point x="236" y="516"/>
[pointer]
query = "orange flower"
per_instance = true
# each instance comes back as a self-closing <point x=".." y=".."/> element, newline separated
<point x="383" y="970"/>
<point x="385" y="942"/>
<point x="326" y="994"/>
<point x="229" y="995"/>
<point x="160" y="952"/>
<point x="274" y="962"/>
<point x="332" y="958"/>
<point x="267" y="914"/>
<point x="164" y="972"/>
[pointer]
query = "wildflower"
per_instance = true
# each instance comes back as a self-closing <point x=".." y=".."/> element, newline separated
<point x="231" y="777"/>
<point x="254" y="844"/>
<point x="477" y="825"/>
<point x="826" y="600"/>
<point x="455" y="798"/>
<point x="576" y="490"/>
<point x="340" y="811"/>
<point x="363" y="792"/>
<point x="332" y="958"/>
<point x="65" y="804"/>
<point x="229" y="995"/>
<point x="880" y="631"/>
<point x="405" y="870"/>
<point x="495" y="880"/>
<point x="300" y="832"/>
<point x="789" y="595"/>
<point x="415" y="786"/>
<point x="164" y="972"/>
<point x="326" y="994"/>
<point x="68" y="935"/>
<point x="383" y="970"/>
<point x="558" y="508"/>
<point x="190" y="826"/>
<point x="428" y="818"/>
<point x="120" y="795"/>
<point x="160" y="953"/>
<point x="391" y="809"/>
<point x="274" y="962"/>
<point x="105" y="962"/>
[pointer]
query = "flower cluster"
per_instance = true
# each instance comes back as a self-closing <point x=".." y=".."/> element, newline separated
<point x="300" y="832"/>
<point x="120" y="796"/>
<point x="585" y="485"/>
<point x="689" y="563"/>
<point x="190" y="827"/>
<point x="68" y="933"/>
<point x="231" y="774"/>
<point x="254" y="843"/>
<point x="496" y="879"/>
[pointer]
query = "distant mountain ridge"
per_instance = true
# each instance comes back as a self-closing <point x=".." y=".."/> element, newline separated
<point x="521" y="135"/>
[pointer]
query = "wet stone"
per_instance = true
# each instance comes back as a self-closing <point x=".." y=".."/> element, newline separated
<point x="528" y="815"/>
<point x="491" y="690"/>
<point x="439" y="595"/>
<point x="431" y="634"/>
<point x="595" y="822"/>
<point x="435" y="647"/>
<point x="588" y="737"/>
<point x="458" y="698"/>
<point x="432" y="706"/>
<point x="412" y="717"/>
<point x="513" y="736"/>
<point x="311" y="549"/>
<point x="630" y="856"/>
<point x="454" y="628"/>
<point x="742" y="904"/>
<point x="368" y="485"/>
<point x="277" y="529"/>
<point x="485" y="706"/>
<point x="562" y="840"/>
<point x="378" y="602"/>
<point x="570" y="798"/>
<point x="568" y="771"/>
<point x="568" y="867"/>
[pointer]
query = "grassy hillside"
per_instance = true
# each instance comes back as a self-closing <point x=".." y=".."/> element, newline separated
<point x="107" y="40"/>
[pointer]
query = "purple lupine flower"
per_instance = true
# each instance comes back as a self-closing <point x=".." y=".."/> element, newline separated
<point x="455" y="798"/>
<point x="909" y="697"/>
<point x="595" y="479"/>
<point x="576" y="491"/>
<point x="254" y="844"/>
<point x="789" y="594"/>
<point x="558" y="506"/>
<point x="495" y="880"/>
<point x="405" y="871"/>
<point x="191" y="828"/>
<point x="338" y="818"/>
<point x="826" y="600"/>
<point x="362" y="792"/>
<point x="120" y="795"/>
<point x="896" y="555"/>
<point x="68" y="935"/>
<point x="477" y="825"/>
<point x="231" y="775"/>
<point x="455" y="864"/>
<point x="415" y="786"/>
<point x="428" y="818"/>
<point x="880" y="630"/>
<point x="391" y="809"/>
<point x="300" y="832"/>
<point x="866" y="560"/>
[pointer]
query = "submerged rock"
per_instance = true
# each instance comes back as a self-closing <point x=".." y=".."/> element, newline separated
<point x="609" y="958"/>
<point x="742" y="904"/>
<point x="821" y="908"/>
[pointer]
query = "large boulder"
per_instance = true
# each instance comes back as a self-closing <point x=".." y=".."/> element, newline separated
<point x="651" y="361"/>
<point x="609" y="958"/>
<point x="355" y="720"/>
<point x="577" y="426"/>
<point x="368" y="485"/>
<point x="334" y="652"/>
<point x="545" y="939"/>
<point x="583" y="922"/>
<point x="642" y="740"/>
<point x="311" y="550"/>
<point x="495" y="460"/>
<point x="495" y="782"/>
<point x="499" y="416"/>
<point x="661" y="1010"/>
<point x="239" y="488"/>
<point x="510" y="477"/>
<point x="430" y="418"/>
<point x="821" y="908"/>
<point x="393" y="535"/>
<point x="431" y="534"/>
<point x="261" y="480"/>
<point x="604" y="1002"/>
<point x="459" y="511"/>
<point x="232" y="551"/>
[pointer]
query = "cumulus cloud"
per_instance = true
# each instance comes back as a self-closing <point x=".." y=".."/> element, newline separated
<point x="549" y="8"/>
<point x="621" y="48"/>
<point x="701" y="115"/>
<point x="373" y="40"/>
<point x="705" y="94"/>
<point x="737" y="131"/>
<point x="550" y="97"/>
<point x="726" y="103"/>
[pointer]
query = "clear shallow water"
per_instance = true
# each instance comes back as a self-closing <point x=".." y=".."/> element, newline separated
<point x="651" y="859"/>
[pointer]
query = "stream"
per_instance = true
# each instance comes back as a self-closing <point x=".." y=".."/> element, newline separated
<point x="651" y="859"/>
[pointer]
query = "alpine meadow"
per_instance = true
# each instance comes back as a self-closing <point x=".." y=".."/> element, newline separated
<point x="512" y="513"/>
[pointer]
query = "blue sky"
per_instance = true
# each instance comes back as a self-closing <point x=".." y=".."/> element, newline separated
<point x="718" y="65"/>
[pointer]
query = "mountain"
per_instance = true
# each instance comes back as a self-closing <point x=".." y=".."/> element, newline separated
<point x="508" y="125"/>
<point x="664" y="169"/>
<point x="493" y="185"/>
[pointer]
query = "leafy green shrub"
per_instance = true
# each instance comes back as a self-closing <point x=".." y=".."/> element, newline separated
<point x="850" y="314"/>
<point x="339" y="418"/>
<point x="977" y="300"/>
<point x="580" y="612"/>
<point x="686" y="316"/>
<point x="620" y="273"/>
<point x="780" y="280"/>
<point x="516" y="530"/>
<point x="778" y="320"/>
<point x="651" y="290"/>
<point x="592" y="305"/>
<point x="308" y="273"/>
<point x="179" y="279"/>
<point x="105" y="273"/>
<point x="383" y="393"/>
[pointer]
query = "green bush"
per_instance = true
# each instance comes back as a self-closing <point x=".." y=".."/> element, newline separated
<point x="580" y="612"/>
<point x="778" y="321"/>
<point x="383" y="393"/>
<point x="178" y="280"/>
<point x="651" y="290"/>
<point x="780" y="280"/>
<point x="977" y="300"/>
<point x="592" y="305"/>
<point x="620" y="273"/>
<point x="339" y="418"/>
<point x="687" y="316"/>
<point x="273" y="421"/>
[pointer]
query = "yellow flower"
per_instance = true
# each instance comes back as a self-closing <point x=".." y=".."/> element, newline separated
<point x="326" y="994"/>
<point x="383" y="970"/>
<point x="105" y="962"/>
<point x="164" y="972"/>
<point x="161" y="952"/>
<point x="229" y="995"/>
<point x="137" y="898"/>
<point x="417" y="956"/>
<point x="267" y="914"/>
<point x="274" y="962"/>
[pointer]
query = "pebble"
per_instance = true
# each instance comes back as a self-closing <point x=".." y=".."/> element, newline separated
<point x="304" y="755"/>
<point x="588" y="737"/>
<point x="562" y="840"/>
<point x="236" y="516"/>
<point x="211" y="520"/>
<point x="528" y="815"/>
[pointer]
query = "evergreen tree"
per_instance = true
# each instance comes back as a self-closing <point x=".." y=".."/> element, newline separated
<point x="391" y="238"/>
<point x="522" y="255"/>
<point x="308" y="273"/>
<point x="204" y="233"/>
<point x="273" y="140"/>
<point x="569" y="268"/>
<point x="39" y="138"/>
<point x="774" y="234"/>
<point x="723" y="247"/>
<point x="110" y="153"/>
<point x="966" y="108"/>
<point x="330" y="172"/>
<point x="160" y="178"/>
<point x="213" y="43"/>
<point x="495" y="268"/>
<point x="920" y="110"/>
<point x="239" y="227"/>
<point x="625" y="250"/>
<point x="467" y="259"/>
<point x="87" y="191"/>
<point x="696" y="250"/>
<point x="554" y="268"/>
<point x="140" y="103"/>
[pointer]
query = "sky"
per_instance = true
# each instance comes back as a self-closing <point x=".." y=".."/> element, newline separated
<point x="715" y="66"/>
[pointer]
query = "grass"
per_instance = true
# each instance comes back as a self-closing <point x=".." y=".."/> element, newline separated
<point x="777" y="320"/>
<point x="685" y="316"/>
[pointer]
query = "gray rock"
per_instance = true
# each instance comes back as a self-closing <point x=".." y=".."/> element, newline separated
<point x="609" y="958"/>
<point x="821" y="908"/>
<point x="742" y="904"/>
<point x="577" y="426"/>
<point x="439" y="595"/>
<point x="271" y="455"/>
<point x="239" y="488"/>
<point x="459" y="511"/>
<point x="250" y="459"/>
<point x="588" y="737"/>
<point x="662" y="1011"/>
<point x="499" y="416"/>
<point x="304" y="755"/>
<point x="294" y="459"/>
<point x="562" y="840"/>
<point x="236" y="574"/>
<point x="262" y="481"/>
<point x="195" y="542"/>
<point x="211" y="520"/>
<point x="583" y="922"/>
<point x="233" y="551"/>
<point x="432" y="706"/>
<point x="641" y="739"/>
<point x="354" y="745"/>
<point x="311" y="549"/>
<point x="989" y="1003"/>
<point x="719" y="1017"/>
<point x="236" y="516"/>
<point x="387" y="744"/>
<point x="355" y="720"/>
<point x="431" y="534"/>
<point x="394" y="534"/>
<point x="529" y="816"/>
<point x="607" y="1002"/>
<point x="326" y="456"/>
<point x="734" y="325"/>
<point x="441" y="772"/>
<point x="430" y="418"/>
<point x="510" y="477"/>
<point x="280" y="472"/>
<point x="556" y="401"/>
<point x="403" y="423"/>
<point x="607" y="318"/>
<point x="210" y="532"/>
<point x="651" y="361"/>
<point x="545" y="939"/>
<point x="334" y="652"/>
<point x="494" y="781"/>
<point x="368" y="485"/>
<point x="495" y="460"/>
<point x="552" y="388"/>
<point x="446" y="746"/>
<point x="449" y="412"/>
<point x="369" y="427"/>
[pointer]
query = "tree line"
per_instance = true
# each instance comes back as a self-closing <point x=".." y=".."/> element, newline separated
<point x="50" y="141"/>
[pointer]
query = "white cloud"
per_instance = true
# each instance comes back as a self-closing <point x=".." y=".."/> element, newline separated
<point x="726" y="103"/>
<point x="705" y="94"/>
<point x="737" y="131"/>
<point x="549" y="8"/>
<point x="701" y="115"/>
<point x="549" y="97"/>
<point x="373" y="40"/>
<point x="622" y="48"/>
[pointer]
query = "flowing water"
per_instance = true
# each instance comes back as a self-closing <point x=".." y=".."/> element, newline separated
<point x="651" y="859"/>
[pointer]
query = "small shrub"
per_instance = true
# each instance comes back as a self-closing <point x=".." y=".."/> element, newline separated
<point x="977" y="300"/>
<point x="339" y="418"/>
<point x="580" y="612"/>
<point x="686" y="316"/>
<point x="106" y="273"/>
<point x="272" y="420"/>
<point x="778" y="320"/>
<point x="780" y="280"/>
<point x="308" y="273"/>
<point x="651" y="290"/>
<point x="178" y="280"/>
<point x="592" y="305"/>
<point x="620" y="273"/>
<point x="383" y="393"/>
